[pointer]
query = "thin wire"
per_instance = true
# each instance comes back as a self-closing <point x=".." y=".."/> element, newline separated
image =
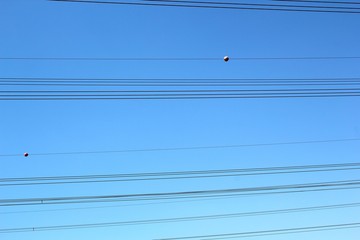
<point x="182" y="174"/>
<point x="177" y="58"/>
<point x="179" y="98"/>
<point x="318" y="1"/>
<point x="173" y="91"/>
<point x="81" y="92"/>
<point x="197" y="198"/>
<point x="175" y="195"/>
<point x="177" y="80"/>
<point x="189" y="148"/>
<point x="182" y="219"/>
<point x="191" y="94"/>
<point x="206" y="6"/>
<point x="175" y="178"/>
<point x="251" y="4"/>
<point x="268" y="232"/>
<point x="183" y="84"/>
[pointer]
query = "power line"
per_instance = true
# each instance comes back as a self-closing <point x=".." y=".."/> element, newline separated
<point x="29" y="181"/>
<point x="198" y="84"/>
<point x="78" y="92"/>
<point x="292" y="188"/>
<point x="252" y="4"/>
<point x="209" y="6"/>
<point x="188" y="148"/>
<point x="185" y="94"/>
<point x="268" y="232"/>
<point x="182" y="219"/>
<point x="177" y="58"/>
<point x="176" y="80"/>
<point x="318" y="1"/>
<point x="197" y="198"/>
<point x="41" y="92"/>
<point x="188" y="97"/>
<point x="201" y="82"/>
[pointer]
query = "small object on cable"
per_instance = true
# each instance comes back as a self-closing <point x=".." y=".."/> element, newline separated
<point x="26" y="154"/>
<point x="226" y="58"/>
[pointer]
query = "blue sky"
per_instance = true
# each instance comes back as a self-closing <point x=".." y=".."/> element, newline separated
<point x="37" y="28"/>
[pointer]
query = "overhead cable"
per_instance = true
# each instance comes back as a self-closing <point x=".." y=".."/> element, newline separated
<point x="182" y="219"/>
<point x="319" y="1"/>
<point x="188" y="148"/>
<point x="178" y="58"/>
<point x="291" y="188"/>
<point x="268" y="232"/>
<point x="203" y="6"/>
<point x="29" y="181"/>
<point x="180" y="97"/>
<point x="252" y="4"/>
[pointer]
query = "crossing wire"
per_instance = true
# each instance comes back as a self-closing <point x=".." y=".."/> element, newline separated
<point x="177" y="58"/>
<point x="29" y="181"/>
<point x="292" y="188"/>
<point x="318" y="1"/>
<point x="50" y="79"/>
<point x="117" y="98"/>
<point x="268" y="232"/>
<point x="203" y="6"/>
<point x="252" y="4"/>
<point x="182" y="219"/>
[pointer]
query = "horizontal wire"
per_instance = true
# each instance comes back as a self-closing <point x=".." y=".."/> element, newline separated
<point x="193" y="198"/>
<point x="175" y="91"/>
<point x="252" y="4"/>
<point x="196" y="172"/>
<point x="197" y="84"/>
<point x="185" y="95"/>
<point x="179" y="80"/>
<point x="318" y="1"/>
<point x="172" y="195"/>
<point x="176" y="178"/>
<point x="179" y="98"/>
<point x="79" y="92"/>
<point x="183" y="219"/>
<point x="268" y="232"/>
<point x="206" y="6"/>
<point x="189" y="148"/>
<point x="177" y="175"/>
<point x="179" y="58"/>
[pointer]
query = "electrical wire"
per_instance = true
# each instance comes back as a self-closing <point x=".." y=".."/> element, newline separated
<point x="251" y="4"/>
<point x="203" y="6"/>
<point x="185" y="93"/>
<point x="318" y="1"/>
<point x="178" y="58"/>
<point x="183" y="219"/>
<point x="184" y="97"/>
<point x="78" y="92"/>
<point x="188" y="148"/>
<point x="322" y="186"/>
<point x="5" y="92"/>
<point x="168" y="82"/>
<point x="268" y="232"/>
<point x="177" y="80"/>
<point x="29" y="181"/>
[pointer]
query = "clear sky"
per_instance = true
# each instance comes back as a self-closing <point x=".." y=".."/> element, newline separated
<point x="39" y="28"/>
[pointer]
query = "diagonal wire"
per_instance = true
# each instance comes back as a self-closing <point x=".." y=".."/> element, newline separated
<point x="268" y="232"/>
<point x="206" y="6"/>
<point x="183" y="219"/>
<point x="251" y="4"/>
